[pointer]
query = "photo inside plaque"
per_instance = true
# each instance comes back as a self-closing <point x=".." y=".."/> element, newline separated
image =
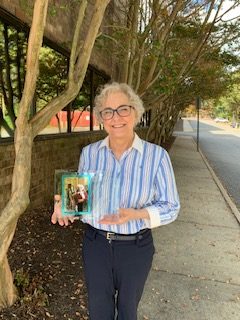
<point x="76" y="194"/>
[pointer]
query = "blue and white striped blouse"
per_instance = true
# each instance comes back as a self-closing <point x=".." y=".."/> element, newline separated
<point x="142" y="178"/>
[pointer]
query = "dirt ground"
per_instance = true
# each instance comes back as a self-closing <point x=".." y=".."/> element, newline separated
<point x="47" y="266"/>
<point x="46" y="261"/>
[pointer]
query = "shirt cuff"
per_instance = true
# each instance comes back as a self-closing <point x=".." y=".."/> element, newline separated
<point x="154" y="216"/>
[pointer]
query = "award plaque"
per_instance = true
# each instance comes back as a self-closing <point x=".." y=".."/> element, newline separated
<point x="76" y="194"/>
<point x="90" y="195"/>
<point x="73" y="192"/>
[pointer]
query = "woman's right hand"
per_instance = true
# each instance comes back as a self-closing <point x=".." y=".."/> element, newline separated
<point x="57" y="215"/>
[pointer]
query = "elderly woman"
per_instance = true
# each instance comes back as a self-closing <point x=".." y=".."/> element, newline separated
<point x="118" y="249"/>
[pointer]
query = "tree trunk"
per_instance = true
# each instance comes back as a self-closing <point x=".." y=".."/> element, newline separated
<point x="152" y="130"/>
<point x="23" y="140"/>
<point x="15" y="207"/>
<point x="8" y="293"/>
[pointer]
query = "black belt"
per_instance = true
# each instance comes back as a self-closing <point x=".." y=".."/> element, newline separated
<point x="122" y="237"/>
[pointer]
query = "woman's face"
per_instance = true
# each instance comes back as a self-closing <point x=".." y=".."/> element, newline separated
<point x="119" y="127"/>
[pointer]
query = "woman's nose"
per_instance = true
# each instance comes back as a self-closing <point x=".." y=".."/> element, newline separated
<point x="116" y="115"/>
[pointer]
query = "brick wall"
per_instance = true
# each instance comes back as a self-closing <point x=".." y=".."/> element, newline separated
<point x="49" y="153"/>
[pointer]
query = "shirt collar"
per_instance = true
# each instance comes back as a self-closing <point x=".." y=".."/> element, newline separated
<point x="137" y="144"/>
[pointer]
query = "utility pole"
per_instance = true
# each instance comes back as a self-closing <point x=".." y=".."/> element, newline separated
<point x="198" y="106"/>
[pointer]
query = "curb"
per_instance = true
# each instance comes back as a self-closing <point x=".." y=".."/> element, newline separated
<point x="223" y="191"/>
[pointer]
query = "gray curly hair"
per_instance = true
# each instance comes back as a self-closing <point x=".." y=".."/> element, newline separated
<point x="113" y="87"/>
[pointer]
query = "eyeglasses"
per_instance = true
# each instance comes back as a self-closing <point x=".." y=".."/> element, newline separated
<point x="122" y="111"/>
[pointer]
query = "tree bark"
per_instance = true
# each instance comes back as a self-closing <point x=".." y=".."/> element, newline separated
<point x="8" y="293"/>
<point x="23" y="140"/>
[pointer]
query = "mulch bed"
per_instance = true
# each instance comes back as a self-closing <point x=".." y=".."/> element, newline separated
<point x="47" y="265"/>
<point x="46" y="261"/>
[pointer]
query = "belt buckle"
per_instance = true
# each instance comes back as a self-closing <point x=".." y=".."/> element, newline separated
<point x="108" y="236"/>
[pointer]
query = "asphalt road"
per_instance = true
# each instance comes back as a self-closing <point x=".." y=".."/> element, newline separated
<point x="221" y="146"/>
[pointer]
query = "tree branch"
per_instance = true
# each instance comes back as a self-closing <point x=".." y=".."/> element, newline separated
<point x="150" y="78"/>
<point x="193" y="57"/>
<point x="8" y="76"/>
<point x="18" y="63"/>
<point x="5" y="97"/>
<point x="4" y="124"/>
<point x="75" y="41"/>
<point x="42" y="118"/>
<point x="32" y="62"/>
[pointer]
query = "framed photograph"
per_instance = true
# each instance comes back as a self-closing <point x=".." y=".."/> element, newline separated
<point x="76" y="193"/>
<point x="94" y="194"/>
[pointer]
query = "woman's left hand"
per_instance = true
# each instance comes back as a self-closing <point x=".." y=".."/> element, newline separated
<point x="124" y="216"/>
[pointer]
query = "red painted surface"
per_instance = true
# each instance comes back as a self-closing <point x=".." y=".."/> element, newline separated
<point x="79" y="119"/>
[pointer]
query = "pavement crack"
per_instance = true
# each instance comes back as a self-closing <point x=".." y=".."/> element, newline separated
<point x="191" y="276"/>
<point x="206" y="224"/>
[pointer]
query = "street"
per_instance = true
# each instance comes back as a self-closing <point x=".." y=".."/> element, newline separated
<point x="220" y="144"/>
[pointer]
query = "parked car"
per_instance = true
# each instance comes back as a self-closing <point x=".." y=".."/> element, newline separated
<point x="223" y="120"/>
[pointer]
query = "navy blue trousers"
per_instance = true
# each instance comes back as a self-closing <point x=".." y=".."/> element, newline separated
<point x="115" y="274"/>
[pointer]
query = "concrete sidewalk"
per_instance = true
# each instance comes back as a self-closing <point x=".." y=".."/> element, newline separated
<point x="196" y="268"/>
